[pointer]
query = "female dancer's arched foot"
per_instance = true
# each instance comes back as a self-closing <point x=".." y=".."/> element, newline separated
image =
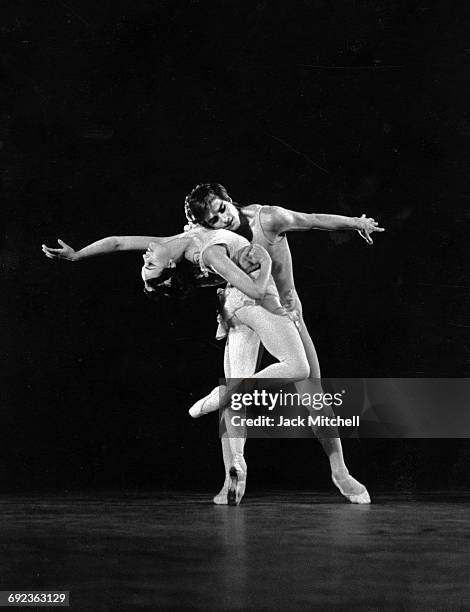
<point x="209" y="403"/>
<point x="353" y="490"/>
<point x="237" y="485"/>
<point x="221" y="498"/>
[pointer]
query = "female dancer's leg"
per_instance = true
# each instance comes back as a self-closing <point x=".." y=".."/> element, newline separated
<point x="280" y="337"/>
<point x="240" y="360"/>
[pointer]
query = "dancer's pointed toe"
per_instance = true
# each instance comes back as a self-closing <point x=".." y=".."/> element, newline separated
<point x="363" y="498"/>
<point x="221" y="498"/>
<point x="237" y="485"/>
<point x="209" y="403"/>
<point x="352" y="489"/>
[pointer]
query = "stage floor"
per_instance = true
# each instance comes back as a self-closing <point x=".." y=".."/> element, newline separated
<point x="279" y="551"/>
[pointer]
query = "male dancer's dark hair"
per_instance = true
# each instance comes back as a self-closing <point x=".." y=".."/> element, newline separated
<point x="197" y="201"/>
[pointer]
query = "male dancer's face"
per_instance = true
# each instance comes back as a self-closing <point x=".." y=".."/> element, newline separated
<point x="222" y="214"/>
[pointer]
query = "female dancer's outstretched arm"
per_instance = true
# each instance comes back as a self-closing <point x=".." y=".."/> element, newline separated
<point x="111" y="244"/>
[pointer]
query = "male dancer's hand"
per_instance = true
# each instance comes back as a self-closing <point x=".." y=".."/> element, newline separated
<point x="366" y="226"/>
<point x="65" y="251"/>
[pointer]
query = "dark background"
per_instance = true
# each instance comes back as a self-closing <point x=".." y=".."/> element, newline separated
<point x="111" y="112"/>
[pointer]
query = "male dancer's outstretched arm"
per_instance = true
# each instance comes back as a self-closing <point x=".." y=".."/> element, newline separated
<point x="279" y="220"/>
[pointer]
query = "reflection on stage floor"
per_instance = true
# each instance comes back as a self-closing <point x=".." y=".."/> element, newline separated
<point x="276" y="551"/>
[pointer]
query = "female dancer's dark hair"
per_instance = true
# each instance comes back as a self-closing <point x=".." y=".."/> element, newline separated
<point x="181" y="282"/>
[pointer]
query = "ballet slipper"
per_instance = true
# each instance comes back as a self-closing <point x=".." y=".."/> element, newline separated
<point x="221" y="498"/>
<point x="237" y="484"/>
<point x="355" y="498"/>
<point x="209" y="403"/>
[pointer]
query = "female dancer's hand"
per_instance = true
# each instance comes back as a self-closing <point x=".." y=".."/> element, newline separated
<point x="65" y="252"/>
<point x="366" y="226"/>
<point x="245" y="261"/>
<point x="252" y="257"/>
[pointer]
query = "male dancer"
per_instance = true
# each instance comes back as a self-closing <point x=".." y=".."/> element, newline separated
<point x="210" y="205"/>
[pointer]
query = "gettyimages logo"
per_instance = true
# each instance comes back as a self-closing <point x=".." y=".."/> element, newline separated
<point x="353" y="407"/>
<point x="269" y="400"/>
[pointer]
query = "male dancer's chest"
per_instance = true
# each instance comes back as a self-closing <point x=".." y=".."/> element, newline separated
<point x="279" y="251"/>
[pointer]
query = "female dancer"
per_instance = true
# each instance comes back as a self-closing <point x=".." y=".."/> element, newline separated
<point x="242" y="338"/>
<point x="251" y="301"/>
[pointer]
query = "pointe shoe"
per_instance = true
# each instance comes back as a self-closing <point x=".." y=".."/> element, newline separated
<point x="209" y="403"/>
<point x="221" y="498"/>
<point x="358" y="498"/>
<point x="237" y="485"/>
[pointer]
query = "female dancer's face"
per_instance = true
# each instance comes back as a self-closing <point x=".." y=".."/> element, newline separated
<point x="222" y="214"/>
<point x="156" y="260"/>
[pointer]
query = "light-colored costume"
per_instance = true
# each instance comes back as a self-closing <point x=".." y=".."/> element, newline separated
<point x="262" y="319"/>
<point x="247" y="322"/>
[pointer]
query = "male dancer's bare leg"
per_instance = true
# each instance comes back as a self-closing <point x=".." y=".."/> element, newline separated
<point x="353" y="490"/>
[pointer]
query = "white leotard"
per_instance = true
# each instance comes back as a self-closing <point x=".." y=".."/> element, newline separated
<point x="231" y="298"/>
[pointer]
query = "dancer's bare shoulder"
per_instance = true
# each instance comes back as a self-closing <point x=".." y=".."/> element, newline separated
<point x="274" y="218"/>
<point x="250" y="210"/>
